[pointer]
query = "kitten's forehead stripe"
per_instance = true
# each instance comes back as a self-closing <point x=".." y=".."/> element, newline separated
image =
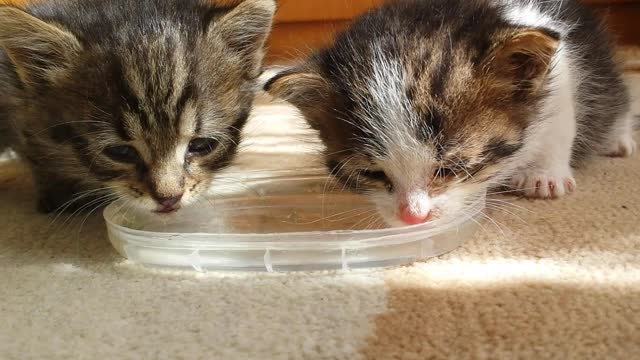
<point x="442" y="71"/>
<point x="156" y="103"/>
<point x="185" y="95"/>
<point x="154" y="75"/>
<point x="189" y="121"/>
<point x="132" y="125"/>
<point x="186" y="113"/>
<point x="430" y="126"/>
<point x="131" y="104"/>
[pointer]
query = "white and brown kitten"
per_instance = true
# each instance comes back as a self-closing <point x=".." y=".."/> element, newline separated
<point x="139" y="99"/>
<point x="428" y="104"/>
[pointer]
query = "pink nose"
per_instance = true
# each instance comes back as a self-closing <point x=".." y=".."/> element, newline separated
<point x="168" y="201"/>
<point x="411" y="218"/>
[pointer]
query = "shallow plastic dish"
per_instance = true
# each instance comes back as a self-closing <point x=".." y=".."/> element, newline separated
<point x="280" y="223"/>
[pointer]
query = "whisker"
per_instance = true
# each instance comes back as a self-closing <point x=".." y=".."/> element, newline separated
<point x="507" y="203"/>
<point x="77" y="197"/>
<point x="363" y="220"/>
<point x="69" y="220"/>
<point x="495" y="208"/>
<point x="484" y="215"/>
<point x="96" y="207"/>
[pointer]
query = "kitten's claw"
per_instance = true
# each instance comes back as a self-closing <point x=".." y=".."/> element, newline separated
<point x="625" y="146"/>
<point x="539" y="185"/>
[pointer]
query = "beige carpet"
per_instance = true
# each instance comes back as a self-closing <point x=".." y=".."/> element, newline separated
<point x="554" y="279"/>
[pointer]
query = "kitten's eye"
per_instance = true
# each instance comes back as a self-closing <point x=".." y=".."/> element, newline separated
<point x="123" y="153"/>
<point x="202" y="146"/>
<point x="444" y="173"/>
<point x="374" y="174"/>
<point x="378" y="175"/>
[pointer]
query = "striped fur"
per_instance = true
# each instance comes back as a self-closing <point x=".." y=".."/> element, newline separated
<point x="83" y="78"/>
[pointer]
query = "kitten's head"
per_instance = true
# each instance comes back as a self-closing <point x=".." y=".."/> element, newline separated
<point x="147" y="98"/>
<point x="423" y="121"/>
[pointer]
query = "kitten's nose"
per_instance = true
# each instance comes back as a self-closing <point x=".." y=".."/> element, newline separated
<point x="169" y="201"/>
<point x="411" y="218"/>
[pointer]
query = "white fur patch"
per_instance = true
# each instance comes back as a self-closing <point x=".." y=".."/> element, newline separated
<point x="390" y="118"/>
<point x="419" y="203"/>
<point x="530" y="15"/>
<point x="548" y="148"/>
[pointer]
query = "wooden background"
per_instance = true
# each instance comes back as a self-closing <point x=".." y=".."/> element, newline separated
<point x="302" y="25"/>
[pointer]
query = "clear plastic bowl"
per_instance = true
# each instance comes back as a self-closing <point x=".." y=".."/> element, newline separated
<point x="280" y="223"/>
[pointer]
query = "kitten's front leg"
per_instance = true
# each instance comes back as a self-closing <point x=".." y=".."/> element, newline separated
<point x="548" y="173"/>
<point x="54" y="198"/>
<point x="55" y="195"/>
<point x="621" y="143"/>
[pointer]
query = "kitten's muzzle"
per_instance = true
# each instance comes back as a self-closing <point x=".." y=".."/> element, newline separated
<point x="168" y="204"/>
<point x="411" y="218"/>
<point x="415" y="207"/>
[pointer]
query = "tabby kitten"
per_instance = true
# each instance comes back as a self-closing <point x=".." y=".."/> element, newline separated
<point x="427" y="104"/>
<point x="141" y="99"/>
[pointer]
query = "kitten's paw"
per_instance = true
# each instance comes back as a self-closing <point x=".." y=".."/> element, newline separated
<point x="544" y="184"/>
<point x="625" y="146"/>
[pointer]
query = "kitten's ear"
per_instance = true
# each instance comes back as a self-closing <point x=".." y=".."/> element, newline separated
<point x="524" y="59"/>
<point x="303" y="89"/>
<point x="38" y="50"/>
<point x="246" y="26"/>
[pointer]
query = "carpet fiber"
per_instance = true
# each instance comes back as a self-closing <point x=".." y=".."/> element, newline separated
<point x="542" y="279"/>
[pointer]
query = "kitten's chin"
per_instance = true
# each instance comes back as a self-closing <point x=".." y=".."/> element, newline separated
<point x="167" y="211"/>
